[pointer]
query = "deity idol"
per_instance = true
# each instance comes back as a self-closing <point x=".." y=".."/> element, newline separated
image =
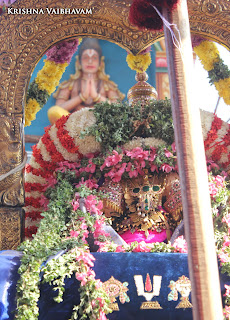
<point x="88" y="86"/>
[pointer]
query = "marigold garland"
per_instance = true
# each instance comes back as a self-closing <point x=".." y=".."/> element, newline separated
<point x="31" y="109"/>
<point x="207" y="53"/>
<point x="140" y="62"/>
<point x="223" y="87"/>
<point x="48" y="78"/>
<point x="219" y="73"/>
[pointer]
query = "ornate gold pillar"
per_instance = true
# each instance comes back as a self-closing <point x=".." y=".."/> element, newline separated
<point x="11" y="188"/>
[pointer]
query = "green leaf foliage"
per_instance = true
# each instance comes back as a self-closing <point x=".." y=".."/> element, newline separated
<point x="220" y="71"/>
<point x="117" y="123"/>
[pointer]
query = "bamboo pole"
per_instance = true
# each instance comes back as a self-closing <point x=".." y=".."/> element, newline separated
<point x="202" y="259"/>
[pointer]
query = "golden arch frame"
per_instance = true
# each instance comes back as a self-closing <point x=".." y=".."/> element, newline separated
<point x="25" y="38"/>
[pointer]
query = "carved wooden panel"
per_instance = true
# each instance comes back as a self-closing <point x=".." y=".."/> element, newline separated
<point x="11" y="134"/>
<point x="11" y="227"/>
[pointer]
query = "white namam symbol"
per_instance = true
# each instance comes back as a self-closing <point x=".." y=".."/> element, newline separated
<point x="148" y="291"/>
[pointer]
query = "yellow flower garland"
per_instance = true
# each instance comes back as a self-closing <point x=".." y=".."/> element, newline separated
<point x="49" y="77"/>
<point x="209" y="54"/>
<point x="139" y="63"/>
<point x="47" y="80"/>
<point x="223" y="87"/>
<point x="31" y="108"/>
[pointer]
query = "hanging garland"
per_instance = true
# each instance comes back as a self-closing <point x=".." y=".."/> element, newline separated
<point x="218" y="72"/>
<point x="140" y="62"/>
<point x="58" y="58"/>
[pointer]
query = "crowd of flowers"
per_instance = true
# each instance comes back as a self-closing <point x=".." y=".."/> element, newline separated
<point x="119" y="164"/>
<point x="63" y="142"/>
<point x="62" y="198"/>
<point x="62" y="164"/>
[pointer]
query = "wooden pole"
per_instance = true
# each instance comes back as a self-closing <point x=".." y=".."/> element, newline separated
<point x="202" y="259"/>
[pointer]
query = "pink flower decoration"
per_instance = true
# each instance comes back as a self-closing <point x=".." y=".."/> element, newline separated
<point x="116" y="173"/>
<point x="85" y="236"/>
<point x="173" y="147"/>
<point x="99" y="230"/>
<point x="226" y="219"/>
<point x="212" y="189"/>
<point x="103" y="246"/>
<point x="168" y="154"/>
<point x="133" y="173"/>
<point x="83" y="226"/>
<point x="93" y="205"/>
<point x="153" y="168"/>
<point x="91" y="167"/>
<point x="90" y="183"/>
<point x="81" y="277"/>
<point x="166" y="167"/>
<point x="227" y="293"/>
<point x="102" y="316"/>
<point x="142" y="247"/>
<point x="75" y="204"/>
<point x="227" y="312"/>
<point x="74" y="234"/>
<point x="223" y="257"/>
<point x="138" y="153"/>
<point x="120" y="249"/>
<point x="180" y="245"/>
<point x="90" y="201"/>
<point x="152" y="154"/>
<point x="86" y="257"/>
<point x="44" y="202"/>
<point x="93" y="304"/>
<point x="51" y="182"/>
<point x="98" y="283"/>
<point x="219" y="180"/>
<point x="62" y="52"/>
<point x="112" y="160"/>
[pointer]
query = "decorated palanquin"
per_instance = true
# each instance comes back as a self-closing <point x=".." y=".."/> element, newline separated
<point x="139" y="186"/>
<point x="138" y="179"/>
